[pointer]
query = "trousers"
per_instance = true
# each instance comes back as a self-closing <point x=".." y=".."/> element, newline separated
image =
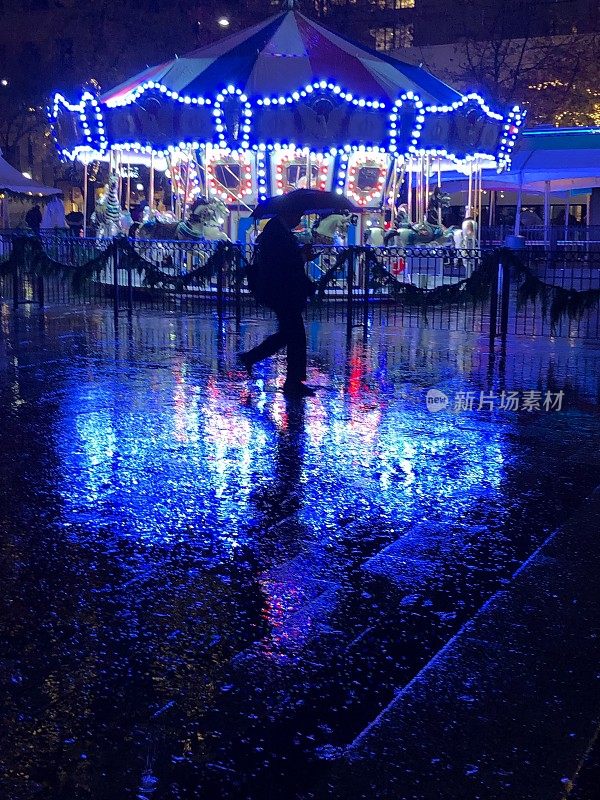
<point x="291" y="334"/>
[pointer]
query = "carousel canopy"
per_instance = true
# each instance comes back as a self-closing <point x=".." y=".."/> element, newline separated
<point x="13" y="183"/>
<point x="286" y="52"/>
<point x="286" y="82"/>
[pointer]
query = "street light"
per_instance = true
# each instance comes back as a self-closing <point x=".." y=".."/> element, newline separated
<point x="26" y="175"/>
<point x="139" y="187"/>
<point x="4" y="82"/>
<point x="223" y="22"/>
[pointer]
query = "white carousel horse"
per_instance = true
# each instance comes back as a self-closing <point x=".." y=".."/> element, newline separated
<point x="333" y="228"/>
<point x="204" y="222"/>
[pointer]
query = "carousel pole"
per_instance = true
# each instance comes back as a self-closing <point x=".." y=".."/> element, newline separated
<point x="128" y="196"/>
<point x="479" y="203"/>
<point x="417" y="195"/>
<point x="469" y="209"/>
<point x="439" y="184"/>
<point x="186" y="190"/>
<point x="409" y="203"/>
<point x="205" y="170"/>
<point x="120" y="174"/>
<point x="426" y="167"/>
<point x="151" y="185"/>
<point x="85" y="197"/>
<point x="419" y="192"/>
<point x="392" y="191"/>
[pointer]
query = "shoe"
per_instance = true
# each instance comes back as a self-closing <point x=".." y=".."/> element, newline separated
<point x="245" y="363"/>
<point x="297" y="389"/>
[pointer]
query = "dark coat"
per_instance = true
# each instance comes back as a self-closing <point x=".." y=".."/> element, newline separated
<point x="33" y="218"/>
<point x="284" y="284"/>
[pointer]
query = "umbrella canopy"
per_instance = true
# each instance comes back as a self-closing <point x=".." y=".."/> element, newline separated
<point x="304" y="201"/>
<point x="286" y="52"/>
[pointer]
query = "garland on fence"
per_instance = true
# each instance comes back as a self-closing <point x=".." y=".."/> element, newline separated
<point x="476" y="288"/>
<point x="28" y="253"/>
<point x="222" y="257"/>
<point x="556" y="301"/>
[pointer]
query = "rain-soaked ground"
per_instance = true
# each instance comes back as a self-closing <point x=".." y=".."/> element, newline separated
<point x="202" y="595"/>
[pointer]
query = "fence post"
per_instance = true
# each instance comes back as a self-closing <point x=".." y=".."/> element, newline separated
<point x="238" y="286"/>
<point x="15" y="278"/>
<point x="220" y="289"/>
<point x="115" y="260"/>
<point x="504" y="298"/>
<point x="366" y="296"/>
<point x="129" y="288"/>
<point x="350" y="290"/>
<point x="494" y="300"/>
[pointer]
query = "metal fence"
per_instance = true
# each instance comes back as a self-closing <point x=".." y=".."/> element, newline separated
<point x="361" y="293"/>
<point x="574" y="272"/>
<point x="572" y="237"/>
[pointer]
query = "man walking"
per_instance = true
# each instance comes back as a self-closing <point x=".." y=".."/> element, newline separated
<point x="283" y="286"/>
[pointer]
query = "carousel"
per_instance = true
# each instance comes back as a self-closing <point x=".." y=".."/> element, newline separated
<point x="288" y="104"/>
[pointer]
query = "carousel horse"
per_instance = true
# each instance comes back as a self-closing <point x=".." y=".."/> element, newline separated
<point x="407" y="234"/>
<point x="108" y="217"/>
<point x="333" y="228"/>
<point x="204" y="222"/>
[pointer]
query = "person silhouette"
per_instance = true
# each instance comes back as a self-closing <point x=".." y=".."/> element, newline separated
<point x="33" y="219"/>
<point x="284" y="287"/>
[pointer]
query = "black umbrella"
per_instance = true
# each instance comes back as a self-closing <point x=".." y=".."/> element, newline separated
<point x="304" y="201"/>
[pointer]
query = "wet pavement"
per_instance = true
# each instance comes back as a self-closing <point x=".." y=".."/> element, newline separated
<point x="210" y="591"/>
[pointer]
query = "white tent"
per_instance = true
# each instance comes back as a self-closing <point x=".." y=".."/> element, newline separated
<point x="15" y="189"/>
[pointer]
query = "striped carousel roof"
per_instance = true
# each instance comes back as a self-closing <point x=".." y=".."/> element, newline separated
<point x="285" y="52"/>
